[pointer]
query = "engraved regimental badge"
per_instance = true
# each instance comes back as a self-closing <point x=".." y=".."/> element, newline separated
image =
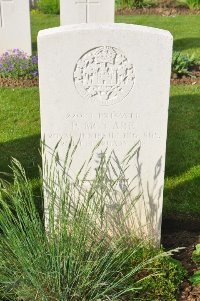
<point x="104" y="75"/>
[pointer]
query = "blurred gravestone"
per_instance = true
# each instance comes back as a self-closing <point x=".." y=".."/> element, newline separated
<point x="111" y="82"/>
<point x="33" y="3"/>
<point x="87" y="11"/>
<point x="15" y="30"/>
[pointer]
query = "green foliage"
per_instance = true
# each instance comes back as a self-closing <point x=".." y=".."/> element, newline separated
<point x="182" y="64"/>
<point x="164" y="286"/>
<point x="193" y="4"/>
<point x="196" y="254"/>
<point x="35" y="11"/>
<point x="83" y="254"/>
<point x="195" y="279"/>
<point x="17" y="64"/>
<point x="49" y="6"/>
<point x="124" y="3"/>
<point x="130" y="3"/>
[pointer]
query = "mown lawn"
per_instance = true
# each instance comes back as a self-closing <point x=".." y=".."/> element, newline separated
<point x="20" y="128"/>
<point x="20" y="121"/>
<point x="185" y="29"/>
<point x="182" y="185"/>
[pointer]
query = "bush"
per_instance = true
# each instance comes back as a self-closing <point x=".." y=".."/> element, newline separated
<point x="17" y="64"/>
<point x="182" y="64"/>
<point x="130" y="3"/>
<point x="49" y="6"/>
<point x="83" y="254"/>
<point x="195" y="279"/>
<point x="164" y="286"/>
<point x="193" y="4"/>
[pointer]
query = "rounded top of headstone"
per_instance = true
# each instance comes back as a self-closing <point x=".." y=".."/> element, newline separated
<point x="105" y="26"/>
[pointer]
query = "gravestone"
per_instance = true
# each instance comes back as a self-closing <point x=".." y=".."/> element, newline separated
<point x="87" y="11"/>
<point x="15" y="30"/>
<point x="112" y="82"/>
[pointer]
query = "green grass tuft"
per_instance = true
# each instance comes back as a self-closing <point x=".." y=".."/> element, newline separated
<point x="84" y="254"/>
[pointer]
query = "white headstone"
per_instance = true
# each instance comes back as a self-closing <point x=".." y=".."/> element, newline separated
<point x="110" y="82"/>
<point x="87" y="11"/>
<point x="15" y="30"/>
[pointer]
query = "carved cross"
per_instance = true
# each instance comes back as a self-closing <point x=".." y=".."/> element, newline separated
<point x="1" y="11"/>
<point x="87" y="4"/>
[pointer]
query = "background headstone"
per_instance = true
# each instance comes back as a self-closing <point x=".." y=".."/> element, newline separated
<point x="33" y="3"/>
<point x="110" y="82"/>
<point x="87" y="11"/>
<point x="15" y="30"/>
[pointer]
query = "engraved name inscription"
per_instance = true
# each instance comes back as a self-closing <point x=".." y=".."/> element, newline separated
<point x="117" y="129"/>
<point x="104" y="75"/>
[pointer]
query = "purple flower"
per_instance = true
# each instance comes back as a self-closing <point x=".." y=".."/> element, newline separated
<point x="34" y="60"/>
<point x="35" y="73"/>
<point x="17" y="64"/>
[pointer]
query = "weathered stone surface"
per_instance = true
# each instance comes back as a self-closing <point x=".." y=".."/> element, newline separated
<point x="15" y="27"/>
<point x="110" y="82"/>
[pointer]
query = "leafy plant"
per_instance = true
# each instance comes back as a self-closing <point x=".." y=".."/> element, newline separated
<point x="49" y="6"/>
<point x="196" y="254"/>
<point x="182" y="64"/>
<point x="84" y="254"/>
<point x="130" y="3"/>
<point x="195" y="279"/>
<point x="35" y="11"/>
<point x="17" y="64"/>
<point x="164" y="286"/>
<point x="193" y="4"/>
<point x="124" y="3"/>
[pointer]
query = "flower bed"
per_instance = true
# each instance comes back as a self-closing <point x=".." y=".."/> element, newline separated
<point x="16" y="65"/>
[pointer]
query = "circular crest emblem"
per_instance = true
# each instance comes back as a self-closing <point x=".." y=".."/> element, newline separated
<point x="103" y="75"/>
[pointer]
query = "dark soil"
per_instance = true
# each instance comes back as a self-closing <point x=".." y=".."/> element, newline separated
<point x="161" y="11"/>
<point x="183" y="232"/>
<point x="188" y="80"/>
<point x="12" y="82"/>
<point x="23" y="83"/>
<point x="184" y="80"/>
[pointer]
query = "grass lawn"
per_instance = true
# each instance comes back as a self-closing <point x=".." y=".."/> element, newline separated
<point x="20" y="122"/>
<point x="39" y="22"/>
<point x="20" y="128"/>
<point x="182" y="185"/>
<point x="185" y="29"/>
